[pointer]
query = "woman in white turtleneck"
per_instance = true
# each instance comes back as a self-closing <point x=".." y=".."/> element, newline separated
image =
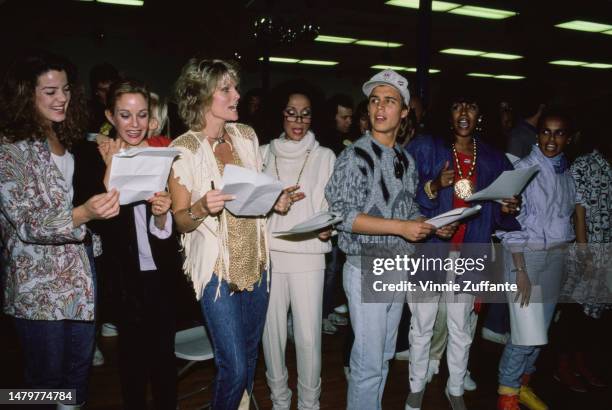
<point x="298" y="262"/>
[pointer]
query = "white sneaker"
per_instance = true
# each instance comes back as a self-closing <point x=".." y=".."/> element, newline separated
<point x="403" y="355"/>
<point x="329" y="328"/>
<point x="342" y="309"/>
<point x="468" y="383"/>
<point x="491" y="336"/>
<point x="433" y="368"/>
<point x="98" y="358"/>
<point x="337" y="320"/>
<point x="347" y="372"/>
<point x="109" y="330"/>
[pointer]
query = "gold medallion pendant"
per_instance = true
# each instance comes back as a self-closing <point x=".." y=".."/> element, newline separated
<point x="463" y="188"/>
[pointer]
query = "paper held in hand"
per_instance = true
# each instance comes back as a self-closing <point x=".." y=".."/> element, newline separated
<point x="453" y="215"/>
<point x="506" y="185"/>
<point x="317" y="221"/>
<point x="138" y="173"/>
<point x="255" y="192"/>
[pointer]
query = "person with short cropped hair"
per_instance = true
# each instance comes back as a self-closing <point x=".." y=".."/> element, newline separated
<point x="373" y="188"/>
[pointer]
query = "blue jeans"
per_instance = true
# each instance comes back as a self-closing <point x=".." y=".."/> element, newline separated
<point x="375" y="326"/>
<point x="235" y="324"/>
<point x="545" y="269"/>
<point x="58" y="354"/>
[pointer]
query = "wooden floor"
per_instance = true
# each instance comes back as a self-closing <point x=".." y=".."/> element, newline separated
<point x="105" y="388"/>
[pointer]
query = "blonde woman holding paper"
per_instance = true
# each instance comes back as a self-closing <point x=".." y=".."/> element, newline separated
<point x="141" y="251"/>
<point x="226" y="256"/>
<point x="298" y="261"/>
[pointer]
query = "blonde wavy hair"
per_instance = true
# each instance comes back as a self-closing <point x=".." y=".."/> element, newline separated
<point x="196" y="85"/>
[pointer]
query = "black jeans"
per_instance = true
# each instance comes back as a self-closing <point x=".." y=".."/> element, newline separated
<point x="146" y="339"/>
<point x="333" y="268"/>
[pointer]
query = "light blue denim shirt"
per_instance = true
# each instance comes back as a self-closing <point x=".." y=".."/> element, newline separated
<point x="548" y="205"/>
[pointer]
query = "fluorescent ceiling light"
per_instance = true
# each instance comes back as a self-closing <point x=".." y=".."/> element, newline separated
<point x="597" y="65"/>
<point x="389" y="67"/>
<point x="281" y="60"/>
<point x="335" y="39"/>
<point x="501" y="56"/>
<point x="462" y="52"/>
<point x="483" y="12"/>
<point x="318" y="62"/>
<point x="123" y="2"/>
<point x="571" y="63"/>
<point x="480" y="75"/>
<point x="373" y="43"/>
<point x="414" y="4"/>
<point x="431" y="70"/>
<point x="509" y="77"/>
<point x="582" y="25"/>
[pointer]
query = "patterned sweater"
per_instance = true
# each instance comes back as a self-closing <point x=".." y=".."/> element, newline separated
<point x="365" y="181"/>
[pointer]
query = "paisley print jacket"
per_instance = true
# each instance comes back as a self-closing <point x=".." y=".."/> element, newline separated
<point x="45" y="270"/>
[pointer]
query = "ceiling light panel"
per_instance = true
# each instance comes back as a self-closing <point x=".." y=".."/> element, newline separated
<point x="597" y="65"/>
<point x="483" y="12"/>
<point x="582" y="25"/>
<point x="123" y="2"/>
<point x="484" y="75"/>
<point x="414" y="4"/>
<point x="375" y="43"/>
<point x="318" y="62"/>
<point x="462" y="52"/>
<point x="501" y="56"/>
<point x="571" y="63"/>
<point x="335" y="39"/>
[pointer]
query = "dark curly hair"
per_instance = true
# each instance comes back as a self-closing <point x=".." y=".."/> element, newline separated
<point x="19" y="118"/>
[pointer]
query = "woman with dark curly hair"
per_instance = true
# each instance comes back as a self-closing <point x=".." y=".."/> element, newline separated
<point x="48" y="284"/>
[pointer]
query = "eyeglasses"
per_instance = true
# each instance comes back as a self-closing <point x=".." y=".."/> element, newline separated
<point x="291" y="116"/>
<point x="399" y="164"/>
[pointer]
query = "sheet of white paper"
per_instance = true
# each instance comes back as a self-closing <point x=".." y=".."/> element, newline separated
<point x="138" y="173"/>
<point x="317" y="221"/>
<point x="512" y="158"/>
<point x="255" y="192"/>
<point x="453" y="215"/>
<point x="508" y="184"/>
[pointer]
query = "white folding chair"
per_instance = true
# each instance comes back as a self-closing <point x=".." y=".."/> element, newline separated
<point x="194" y="346"/>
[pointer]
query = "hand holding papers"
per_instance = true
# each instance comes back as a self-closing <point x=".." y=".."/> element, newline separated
<point x="138" y="173"/>
<point x="507" y="185"/>
<point x="453" y="215"/>
<point x="317" y="221"/>
<point x="255" y="193"/>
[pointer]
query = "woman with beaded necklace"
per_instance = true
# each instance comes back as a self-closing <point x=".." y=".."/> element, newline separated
<point x="298" y="261"/>
<point x="449" y="172"/>
<point x="226" y="256"/>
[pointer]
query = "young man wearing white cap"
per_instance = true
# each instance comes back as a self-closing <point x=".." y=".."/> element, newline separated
<point x="373" y="187"/>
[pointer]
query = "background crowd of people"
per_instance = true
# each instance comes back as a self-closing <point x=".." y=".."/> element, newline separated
<point x="77" y="263"/>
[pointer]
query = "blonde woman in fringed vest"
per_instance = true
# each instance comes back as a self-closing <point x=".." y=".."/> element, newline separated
<point x="226" y="256"/>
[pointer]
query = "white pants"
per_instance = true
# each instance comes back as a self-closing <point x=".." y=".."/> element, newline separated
<point x="460" y="336"/>
<point x="303" y="292"/>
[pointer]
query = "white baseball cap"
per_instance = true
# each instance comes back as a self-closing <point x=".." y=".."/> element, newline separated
<point x="388" y="77"/>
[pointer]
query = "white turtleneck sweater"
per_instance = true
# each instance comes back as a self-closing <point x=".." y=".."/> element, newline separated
<point x="283" y="159"/>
